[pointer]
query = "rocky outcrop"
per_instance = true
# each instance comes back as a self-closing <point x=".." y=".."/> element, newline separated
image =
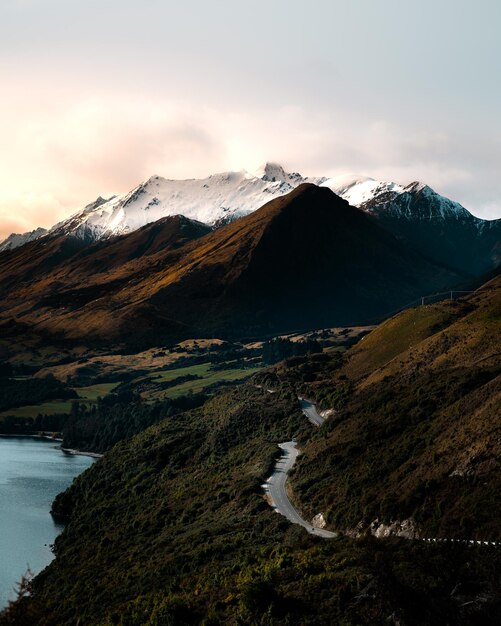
<point x="399" y="528"/>
<point x="319" y="521"/>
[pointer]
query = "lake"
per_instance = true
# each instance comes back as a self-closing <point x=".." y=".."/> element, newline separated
<point x="32" y="473"/>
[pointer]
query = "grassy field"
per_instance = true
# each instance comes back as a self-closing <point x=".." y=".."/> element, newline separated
<point x="93" y="392"/>
<point x="52" y="407"/>
<point x="207" y="378"/>
<point x="90" y="394"/>
<point x="87" y="395"/>
<point x="213" y="377"/>
<point x="397" y="335"/>
<point x="201" y="370"/>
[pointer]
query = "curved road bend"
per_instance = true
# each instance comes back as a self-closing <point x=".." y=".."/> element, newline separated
<point x="310" y="410"/>
<point x="276" y="488"/>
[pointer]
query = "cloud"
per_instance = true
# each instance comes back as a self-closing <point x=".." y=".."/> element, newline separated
<point x="65" y="158"/>
<point x="60" y="156"/>
<point x="20" y="213"/>
<point x="490" y="211"/>
<point x="110" y="143"/>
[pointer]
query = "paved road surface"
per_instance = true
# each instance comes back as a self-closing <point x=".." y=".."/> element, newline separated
<point x="277" y="490"/>
<point x="310" y="410"/>
<point x="276" y="487"/>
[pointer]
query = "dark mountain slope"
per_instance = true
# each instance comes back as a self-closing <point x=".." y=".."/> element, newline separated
<point x="416" y="435"/>
<point x="34" y="261"/>
<point x="164" y="235"/>
<point x="303" y="260"/>
<point x="56" y="275"/>
<point x="441" y="229"/>
<point x="66" y="260"/>
<point x="322" y="260"/>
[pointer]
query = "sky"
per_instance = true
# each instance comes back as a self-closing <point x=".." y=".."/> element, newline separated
<point x="97" y="96"/>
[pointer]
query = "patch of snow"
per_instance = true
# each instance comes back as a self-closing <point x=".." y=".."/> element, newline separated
<point x="360" y="189"/>
<point x="217" y="199"/>
<point x="226" y="196"/>
<point x="16" y="240"/>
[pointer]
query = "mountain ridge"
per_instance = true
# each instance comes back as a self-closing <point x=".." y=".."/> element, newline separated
<point x="218" y="199"/>
<point x="305" y="257"/>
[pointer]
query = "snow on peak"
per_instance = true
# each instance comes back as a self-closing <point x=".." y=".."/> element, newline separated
<point x="417" y="186"/>
<point x="16" y="240"/>
<point x="360" y="189"/>
<point x="413" y="201"/>
<point x="223" y="197"/>
<point x="433" y="205"/>
<point x="345" y="181"/>
<point x="272" y="172"/>
<point x="217" y="199"/>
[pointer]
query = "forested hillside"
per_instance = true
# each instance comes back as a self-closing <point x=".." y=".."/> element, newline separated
<point x="171" y="527"/>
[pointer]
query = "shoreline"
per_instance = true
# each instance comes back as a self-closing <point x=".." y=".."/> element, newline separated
<point x="94" y="455"/>
<point x="31" y="436"/>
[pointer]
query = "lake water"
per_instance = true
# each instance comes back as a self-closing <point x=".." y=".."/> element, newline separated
<point x="32" y="473"/>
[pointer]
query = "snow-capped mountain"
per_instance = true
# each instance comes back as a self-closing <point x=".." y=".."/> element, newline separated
<point x="414" y="212"/>
<point x="419" y="201"/>
<point x="218" y="199"/>
<point x="377" y="196"/>
<point x="15" y="239"/>
<point x="176" y="278"/>
<point x="440" y="228"/>
<point x="360" y="189"/>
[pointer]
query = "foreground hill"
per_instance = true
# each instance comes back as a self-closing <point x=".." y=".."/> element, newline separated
<point x="306" y="259"/>
<point x="415" y="440"/>
<point x="171" y="526"/>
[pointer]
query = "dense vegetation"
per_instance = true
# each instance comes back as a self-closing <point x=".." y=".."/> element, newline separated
<point x="116" y="417"/>
<point x="16" y="392"/>
<point x="171" y="526"/>
<point x="50" y="424"/>
<point x="416" y="437"/>
<point x="281" y="348"/>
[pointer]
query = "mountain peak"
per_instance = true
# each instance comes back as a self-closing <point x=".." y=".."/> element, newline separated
<point x="358" y="190"/>
<point x="97" y="203"/>
<point x="214" y="200"/>
<point x="223" y="197"/>
<point x="272" y="172"/>
<point x="154" y="180"/>
<point x="15" y="240"/>
<point x="417" y="186"/>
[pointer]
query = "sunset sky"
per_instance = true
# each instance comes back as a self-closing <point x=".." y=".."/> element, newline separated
<point x="97" y="96"/>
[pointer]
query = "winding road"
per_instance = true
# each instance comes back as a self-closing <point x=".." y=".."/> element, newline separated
<point x="310" y="410"/>
<point x="276" y="488"/>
